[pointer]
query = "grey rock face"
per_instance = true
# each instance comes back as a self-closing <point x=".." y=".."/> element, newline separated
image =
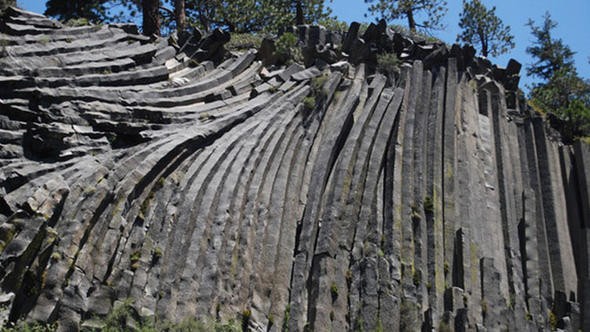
<point x="326" y="197"/>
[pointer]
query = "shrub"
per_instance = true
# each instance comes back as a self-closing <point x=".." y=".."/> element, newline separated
<point x="119" y="318"/>
<point x="157" y="252"/>
<point x="134" y="260"/>
<point x="286" y="42"/>
<point x="334" y="25"/>
<point x="243" y="41"/>
<point x="309" y="103"/>
<point x="286" y="318"/>
<point x="78" y="22"/>
<point x="287" y="48"/>
<point x="317" y="84"/>
<point x="124" y="318"/>
<point x="334" y="291"/>
<point x="56" y="256"/>
<point x="388" y="64"/>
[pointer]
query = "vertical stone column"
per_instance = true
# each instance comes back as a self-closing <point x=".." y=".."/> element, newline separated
<point x="582" y="165"/>
<point x="448" y="161"/>
<point x="432" y="203"/>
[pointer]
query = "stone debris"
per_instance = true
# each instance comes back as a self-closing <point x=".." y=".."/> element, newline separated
<point x="322" y="197"/>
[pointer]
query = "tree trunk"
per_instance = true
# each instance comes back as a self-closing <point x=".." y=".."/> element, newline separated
<point x="411" y="21"/>
<point x="299" y="17"/>
<point x="204" y="22"/>
<point x="180" y="13"/>
<point x="151" y="17"/>
<point x="484" y="44"/>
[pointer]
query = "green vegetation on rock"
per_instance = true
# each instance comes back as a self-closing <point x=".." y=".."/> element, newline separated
<point x="388" y="64"/>
<point x="562" y="94"/>
<point x="482" y="27"/>
<point x="243" y="41"/>
<point x="434" y="10"/>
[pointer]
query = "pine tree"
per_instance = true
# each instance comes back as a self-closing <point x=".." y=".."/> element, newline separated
<point x="480" y="26"/>
<point x="263" y="15"/>
<point x="562" y="92"/>
<point x="242" y="16"/>
<point x="551" y="54"/>
<point x="409" y="9"/>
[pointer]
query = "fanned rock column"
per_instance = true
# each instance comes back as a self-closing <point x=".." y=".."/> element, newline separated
<point x="195" y="183"/>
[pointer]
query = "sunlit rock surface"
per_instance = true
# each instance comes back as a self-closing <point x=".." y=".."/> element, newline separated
<point x="202" y="183"/>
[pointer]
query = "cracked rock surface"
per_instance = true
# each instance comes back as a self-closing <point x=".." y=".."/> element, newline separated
<point x="203" y="183"/>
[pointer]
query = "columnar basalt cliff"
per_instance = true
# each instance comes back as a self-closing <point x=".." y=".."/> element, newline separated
<point x="202" y="183"/>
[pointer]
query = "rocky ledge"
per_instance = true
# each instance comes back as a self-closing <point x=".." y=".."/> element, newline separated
<point x="327" y="196"/>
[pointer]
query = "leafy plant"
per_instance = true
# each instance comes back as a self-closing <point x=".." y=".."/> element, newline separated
<point x="134" y="260"/>
<point x="388" y="64"/>
<point x="309" y="103"/>
<point x="288" y="49"/>
<point x="334" y="291"/>
<point x="77" y="22"/>
<point x="56" y="256"/>
<point x="286" y="318"/>
<point x="243" y="41"/>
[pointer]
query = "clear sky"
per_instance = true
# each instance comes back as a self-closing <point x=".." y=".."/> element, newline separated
<point x="573" y="17"/>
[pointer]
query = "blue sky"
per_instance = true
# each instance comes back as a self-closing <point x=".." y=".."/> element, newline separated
<point x="572" y="16"/>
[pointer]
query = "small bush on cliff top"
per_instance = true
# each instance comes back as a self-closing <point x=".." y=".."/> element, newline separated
<point x="243" y="41"/>
<point x="287" y="48"/>
<point x="77" y="22"/>
<point x="388" y="64"/>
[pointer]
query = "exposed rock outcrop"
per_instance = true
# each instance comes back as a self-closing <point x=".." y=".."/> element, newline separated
<point x="323" y="197"/>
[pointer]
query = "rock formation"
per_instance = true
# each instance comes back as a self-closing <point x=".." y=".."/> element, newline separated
<point x="201" y="183"/>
